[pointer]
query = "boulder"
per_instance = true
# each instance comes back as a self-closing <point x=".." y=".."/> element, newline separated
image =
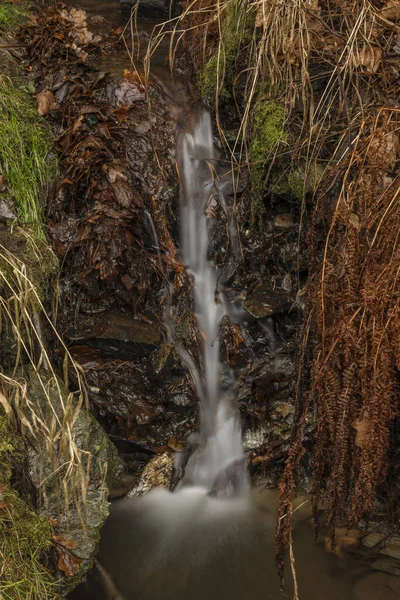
<point x="71" y="463"/>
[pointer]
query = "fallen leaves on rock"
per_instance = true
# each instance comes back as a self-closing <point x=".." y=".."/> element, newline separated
<point x="68" y="562"/>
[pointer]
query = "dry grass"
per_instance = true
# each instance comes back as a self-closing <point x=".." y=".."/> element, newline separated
<point x="24" y="318"/>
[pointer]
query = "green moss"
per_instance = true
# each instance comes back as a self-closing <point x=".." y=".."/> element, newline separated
<point x="216" y="79"/>
<point x="26" y="158"/>
<point x="12" y="15"/>
<point x="268" y="130"/>
<point x="24" y="536"/>
<point x="296" y="183"/>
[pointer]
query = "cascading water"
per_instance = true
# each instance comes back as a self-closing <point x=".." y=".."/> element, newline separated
<point x="220" y="446"/>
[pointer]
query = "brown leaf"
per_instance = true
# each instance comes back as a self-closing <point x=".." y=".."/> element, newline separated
<point x="368" y="58"/>
<point x="115" y="172"/>
<point x="68" y="563"/>
<point x="362" y="428"/>
<point x="135" y="77"/>
<point x="3" y="186"/>
<point x="46" y="102"/>
<point x="391" y="10"/>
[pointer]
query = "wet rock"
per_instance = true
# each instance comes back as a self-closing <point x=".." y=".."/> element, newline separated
<point x="151" y="7"/>
<point x="140" y="336"/>
<point x="283" y="221"/>
<point x="253" y="438"/>
<point x="265" y="300"/>
<point x="7" y="209"/>
<point x="47" y="472"/>
<point x="387" y="565"/>
<point x="157" y="473"/>
<point x="282" y="410"/>
<point x="164" y="359"/>
<point x="392" y="547"/>
<point x="372" y="539"/>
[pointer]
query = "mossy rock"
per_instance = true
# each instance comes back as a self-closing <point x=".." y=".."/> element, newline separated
<point x="217" y="76"/>
<point x="268" y="130"/>
<point x="25" y="537"/>
<point x="77" y="518"/>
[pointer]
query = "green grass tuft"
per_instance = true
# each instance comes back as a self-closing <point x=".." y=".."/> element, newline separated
<point x="12" y="15"/>
<point x="26" y="159"/>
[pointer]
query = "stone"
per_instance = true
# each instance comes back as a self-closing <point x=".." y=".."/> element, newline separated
<point x="157" y="473"/>
<point x="387" y="565"/>
<point x="7" y="210"/>
<point x="392" y="547"/>
<point x="283" y="410"/>
<point x="125" y="328"/>
<point x="116" y="333"/>
<point x="372" y="539"/>
<point x="283" y="221"/>
<point x="253" y="438"/>
<point x="77" y="518"/>
<point x="265" y="300"/>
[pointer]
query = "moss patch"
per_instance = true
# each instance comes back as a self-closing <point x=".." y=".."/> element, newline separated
<point x="26" y="160"/>
<point x="216" y="79"/>
<point x="24" y="536"/>
<point x="268" y="130"/>
<point x="12" y="15"/>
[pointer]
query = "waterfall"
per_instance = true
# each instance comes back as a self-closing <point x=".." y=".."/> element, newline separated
<point x="219" y="458"/>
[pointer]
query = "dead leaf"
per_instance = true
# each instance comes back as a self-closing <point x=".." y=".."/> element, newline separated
<point x="68" y="563"/>
<point x="3" y="186"/>
<point x="384" y="149"/>
<point x="362" y="428"/>
<point x="115" y="172"/>
<point x="135" y="77"/>
<point x="127" y="93"/>
<point x="368" y="58"/>
<point x="354" y="221"/>
<point x="46" y="102"/>
<point x="391" y="10"/>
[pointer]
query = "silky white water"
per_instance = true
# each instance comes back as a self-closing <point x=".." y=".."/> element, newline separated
<point x="220" y="434"/>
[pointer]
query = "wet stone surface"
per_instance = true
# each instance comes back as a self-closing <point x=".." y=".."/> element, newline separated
<point x="114" y="224"/>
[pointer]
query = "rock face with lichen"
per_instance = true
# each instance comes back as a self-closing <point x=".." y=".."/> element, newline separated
<point x="76" y="508"/>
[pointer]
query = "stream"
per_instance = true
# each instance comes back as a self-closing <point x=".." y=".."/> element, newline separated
<point x="213" y="536"/>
